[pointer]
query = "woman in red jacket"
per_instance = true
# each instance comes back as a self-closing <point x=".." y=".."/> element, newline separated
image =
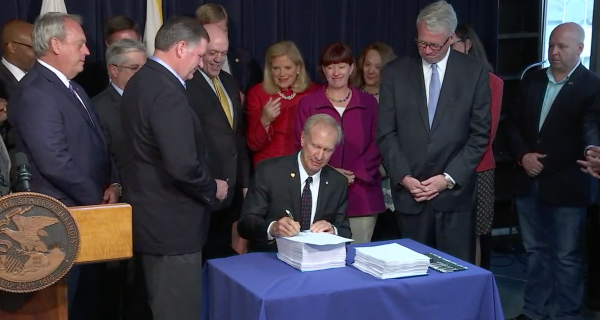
<point x="271" y="105"/>
<point x="357" y="157"/>
<point x="467" y="42"/>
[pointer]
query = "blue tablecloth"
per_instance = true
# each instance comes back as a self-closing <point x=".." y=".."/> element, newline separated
<point x="258" y="286"/>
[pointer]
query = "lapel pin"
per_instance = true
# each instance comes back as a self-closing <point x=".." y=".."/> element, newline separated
<point x="326" y="182"/>
<point x="237" y="60"/>
<point x="292" y="174"/>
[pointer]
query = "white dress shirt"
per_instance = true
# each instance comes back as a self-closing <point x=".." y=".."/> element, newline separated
<point x="16" y="72"/>
<point x="427" y="72"/>
<point x="212" y="85"/>
<point x="226" y="66"/>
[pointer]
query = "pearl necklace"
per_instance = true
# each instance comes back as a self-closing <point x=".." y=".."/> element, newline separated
<point x="339" y="101"/>
<point x="283" y="96"/>
<point x="367" y="92"/>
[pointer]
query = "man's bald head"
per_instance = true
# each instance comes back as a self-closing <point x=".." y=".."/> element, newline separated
<point x="565" y="47"/>
<point x="216" y="52"/>
<point x="16" y="42"/>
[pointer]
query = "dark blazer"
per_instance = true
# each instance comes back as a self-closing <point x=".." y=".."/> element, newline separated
<point x="244" y="68"/>
<point x="456" y="141"/>
<point x="571" y="126"/>
<point x="108" y="106"/>
<point x="8" y="82"/>
<point x="167" y="181"/>
<point x="228" y="157"/>
<point x="276" y="187"/>
<point x="66" y="150"/>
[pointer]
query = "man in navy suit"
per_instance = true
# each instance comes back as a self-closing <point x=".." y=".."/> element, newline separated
<point x="56" y="125"/>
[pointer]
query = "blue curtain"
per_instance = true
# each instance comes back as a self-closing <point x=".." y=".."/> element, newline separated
<point x="312" y="24"/>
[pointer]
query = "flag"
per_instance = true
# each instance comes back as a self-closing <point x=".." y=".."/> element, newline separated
<point x="154" y="19"/>
<point x="53" y="6"/>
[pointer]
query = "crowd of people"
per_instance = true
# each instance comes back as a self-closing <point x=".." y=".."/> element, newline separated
<point x="218" y="158"/>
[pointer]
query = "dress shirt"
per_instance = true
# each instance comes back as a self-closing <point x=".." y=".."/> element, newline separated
<point x="314" y="190"/>
<point x="212" y="85"/>
<point x="162" y="63"/>
<point x="119" y="90"/>
<point x="552" y="90"/>
<point x="226" y="66"/>
<point x="16" y="72"/>
<point x="427" y="72"/>
<point x="66" y="82"/>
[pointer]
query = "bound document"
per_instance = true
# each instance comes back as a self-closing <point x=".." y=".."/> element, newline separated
<point x="309" y="251"/>
<point x="390" y="261"/>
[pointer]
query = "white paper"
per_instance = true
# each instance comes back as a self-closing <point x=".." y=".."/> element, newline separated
<point x="319" y="239"/>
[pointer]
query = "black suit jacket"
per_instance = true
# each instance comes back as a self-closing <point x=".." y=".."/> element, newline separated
<point x="108" y="106"/>
<point x="244" y="68"/>
<point x="227" y="150"/>
<point x="276" y="187"/>
<point x="167" y="181"/>
<point x="65" y="148"/>
<point x="8" y="82"/>
<point x="570" y="126"/>
<point x="455" y="143"/>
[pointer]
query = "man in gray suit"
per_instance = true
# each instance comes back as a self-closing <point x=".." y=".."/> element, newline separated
<point x="123" y="59"/>
<point x="434" y="123"/>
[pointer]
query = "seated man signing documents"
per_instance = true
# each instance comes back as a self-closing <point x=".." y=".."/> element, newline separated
<point x="297" y="192"/>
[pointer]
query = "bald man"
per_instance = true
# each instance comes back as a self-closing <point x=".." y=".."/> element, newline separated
<point x="550" y="128"/>
<point x="214" y="96"/>
<point x="17" y="55"/>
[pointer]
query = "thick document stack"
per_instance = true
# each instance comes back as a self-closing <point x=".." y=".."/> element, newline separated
<point x="309" y="251"/>
<point x="390" y="261"/>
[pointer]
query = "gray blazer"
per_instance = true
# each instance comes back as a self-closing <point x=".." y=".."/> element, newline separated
<point x="107" y="105"/>
<point x="456" y="141"/>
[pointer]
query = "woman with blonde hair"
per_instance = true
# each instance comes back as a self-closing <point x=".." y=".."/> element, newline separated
<point x="271" y="105"/>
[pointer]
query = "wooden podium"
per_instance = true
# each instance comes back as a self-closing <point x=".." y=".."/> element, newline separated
<point x="105" y="235"/>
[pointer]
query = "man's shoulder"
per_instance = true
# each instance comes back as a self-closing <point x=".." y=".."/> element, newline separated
<point x="103" y="97"/>
<point x="334" y="175"/>
<point x="273" y="165"/>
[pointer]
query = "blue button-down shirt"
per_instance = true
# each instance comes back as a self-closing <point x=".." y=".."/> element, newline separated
<point x="552" y="91"/>
<point x="170" y="69"/>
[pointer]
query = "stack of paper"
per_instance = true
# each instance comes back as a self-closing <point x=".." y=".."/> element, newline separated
<point x="309" y="251"/>
<point x="390" y="261"/>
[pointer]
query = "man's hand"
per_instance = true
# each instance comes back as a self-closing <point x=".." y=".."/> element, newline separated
<point x="222" y="189"/>
<point x="284" y="227"/>
<point x="531" y="163"/>
<point x="322" y="226"/>
<point x="3" y="114"/>
<point x="435" y="184"/>
<point x="347" y="173"/>
<point x="239" y="244"/>
<point x="591" y="165"/>
<point x="419" y="191"/>
<point x="111" y="195"/>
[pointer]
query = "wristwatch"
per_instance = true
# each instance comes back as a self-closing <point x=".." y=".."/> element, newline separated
<point x="449" y="182"/>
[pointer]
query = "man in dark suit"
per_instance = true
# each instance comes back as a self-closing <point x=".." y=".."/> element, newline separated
<point x="94" y="77"/>
<point x="549" y="128"/>
<point x="213" y="95"/>
<point x="123" y="59"/>
<point x="434" y="123"/>
<point x="167" y="179"/>
<point x="57" y="127"/>
<point x="314" y="194"/>
<point x="239" y="63"/>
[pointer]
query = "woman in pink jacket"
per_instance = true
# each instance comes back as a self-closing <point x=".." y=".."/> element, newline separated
<point x="357" y="157"/>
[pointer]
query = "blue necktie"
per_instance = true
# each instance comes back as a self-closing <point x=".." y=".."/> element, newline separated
<point x="434" y="92"/>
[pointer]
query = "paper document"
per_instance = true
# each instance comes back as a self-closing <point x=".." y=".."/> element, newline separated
<point x="319" y="239"/>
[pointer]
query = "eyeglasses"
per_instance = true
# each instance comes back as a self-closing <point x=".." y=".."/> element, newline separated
<point x="433" y="46"/>
<point x="23" y="44"/>
<point x="132" y="68"/>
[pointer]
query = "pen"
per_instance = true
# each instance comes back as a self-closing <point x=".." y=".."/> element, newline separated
<point x="289" y="214"/>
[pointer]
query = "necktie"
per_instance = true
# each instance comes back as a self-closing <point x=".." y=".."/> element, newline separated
<point x="74" y="92"/>
<point x="306" y="205"/>
<point x="223" y="99"/>
<point x="434" y="93"/>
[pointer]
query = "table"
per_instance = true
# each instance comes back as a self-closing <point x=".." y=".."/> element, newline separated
<point x="258" y="286"/>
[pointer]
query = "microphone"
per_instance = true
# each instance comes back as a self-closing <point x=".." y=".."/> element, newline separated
<point x="23" y="173"/>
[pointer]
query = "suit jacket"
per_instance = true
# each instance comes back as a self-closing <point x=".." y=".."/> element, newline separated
<point x="167" y="181"/>
<point x="454" y="144"/>
<point x="570" y="126"/>
<point x="5" y="166"/>
<point x="8" y="82"/>
<point x="64" y="144"/>
<point x="244" y="68"/>
<point x="108" y="106"/>
<point x="228" y="157"/>
<point x="276" y="187"/>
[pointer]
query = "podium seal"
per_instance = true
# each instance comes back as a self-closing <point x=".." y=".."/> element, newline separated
<point x="39" y="242"/>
